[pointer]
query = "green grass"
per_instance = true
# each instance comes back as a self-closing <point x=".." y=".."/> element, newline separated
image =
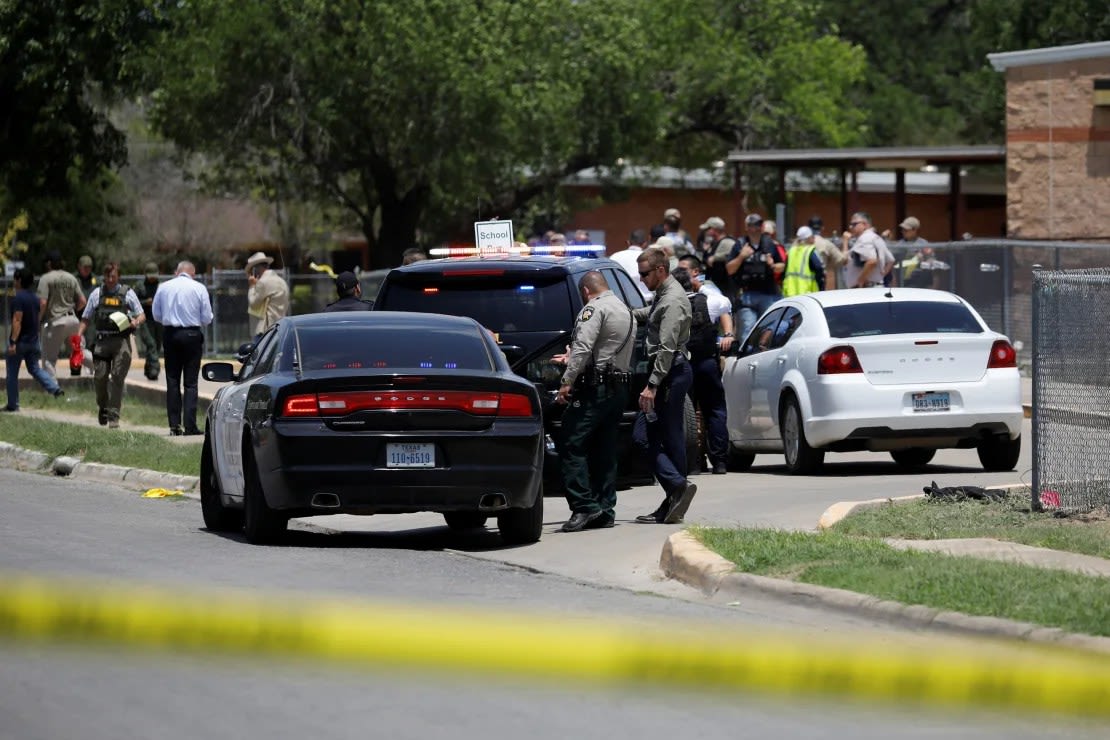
<point x="99" y="444"/>
<point x="1069" y="601"/>
<point x="81" y="400"/>
<point x="1009" y="519"/>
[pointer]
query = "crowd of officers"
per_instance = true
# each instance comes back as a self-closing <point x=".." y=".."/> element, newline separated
<point x="698" y="293"/>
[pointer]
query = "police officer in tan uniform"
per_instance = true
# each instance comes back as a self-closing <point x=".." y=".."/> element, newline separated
<point x="660" y="427"/>
<point x="595" y="385"/>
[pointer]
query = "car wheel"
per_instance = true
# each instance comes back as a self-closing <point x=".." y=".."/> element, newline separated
<point x="801" y="459"/>
<point x="914" y="457"/>
<point x="999" y="453"/>
<point x="522" y="526"/>
<point x="739" y="461"/>
<point x="217" y="517"/>
<point x="693" y="439"/>
<point x="261" y="524"/>
<point x="464" y="520"/>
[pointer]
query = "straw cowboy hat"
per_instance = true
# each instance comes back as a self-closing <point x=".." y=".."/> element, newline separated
<point x="258" y="258"/>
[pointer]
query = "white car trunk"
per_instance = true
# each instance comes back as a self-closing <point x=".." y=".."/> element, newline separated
<point x="928" y="360"/>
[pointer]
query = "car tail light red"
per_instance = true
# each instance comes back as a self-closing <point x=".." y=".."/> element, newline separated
<point x="838" y="360"/>
<point x="471" y="402"/>
<point x="1002" y="355"/>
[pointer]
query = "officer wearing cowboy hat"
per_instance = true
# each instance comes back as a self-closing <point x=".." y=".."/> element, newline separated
<point x="268" y="294"/>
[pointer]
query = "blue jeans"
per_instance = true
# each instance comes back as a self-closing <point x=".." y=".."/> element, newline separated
<point x="664" y="440"/>
<point x="752" y="306"/>
<point x="29" y="352"/>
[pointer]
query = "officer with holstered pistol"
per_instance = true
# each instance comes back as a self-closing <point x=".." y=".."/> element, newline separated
<point x="595" y="385"/>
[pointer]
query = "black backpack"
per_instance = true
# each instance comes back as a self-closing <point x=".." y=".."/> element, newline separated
<point x="703" y="332"/>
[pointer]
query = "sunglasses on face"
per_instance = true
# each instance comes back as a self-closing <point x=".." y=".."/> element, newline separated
<point x="856" y="223"/>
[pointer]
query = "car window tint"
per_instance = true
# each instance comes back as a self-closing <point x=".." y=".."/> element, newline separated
<point x="900" y="317"/>
<point x="509" y="303"/>
<point x="632" y="295"/>
<point x="791" y="320"/>
<point x="760" y="338"/>
<point x="392" y="347"/>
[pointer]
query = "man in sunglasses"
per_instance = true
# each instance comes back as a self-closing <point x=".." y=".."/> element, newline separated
<point x="659" y="428"/>
<point x="866" y="261"/>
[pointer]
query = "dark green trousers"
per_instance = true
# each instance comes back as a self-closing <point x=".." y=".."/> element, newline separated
<point x="589" y="449"/>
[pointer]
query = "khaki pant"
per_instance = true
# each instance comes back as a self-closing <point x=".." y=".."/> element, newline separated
<point x="55" y="336"/>
<point x="111" y="361"/>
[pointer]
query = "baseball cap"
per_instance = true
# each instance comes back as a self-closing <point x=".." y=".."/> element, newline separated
<point x="714" y="222"/>
<point x="815" y="222"/>
<point x="910" y="223"/>
<point x="672" y="213"/>
<point x="804" y="232"/>
<point x="84" y="261"/>
<point x="151" y="269"/>
<point x="346" y="281"/>
<point x="753" y="219"/>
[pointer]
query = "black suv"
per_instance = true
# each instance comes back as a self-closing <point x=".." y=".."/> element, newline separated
<point x="530" y="304"/>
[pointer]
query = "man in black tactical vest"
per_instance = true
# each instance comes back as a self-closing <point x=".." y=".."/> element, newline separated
<point x="115" y="312"/>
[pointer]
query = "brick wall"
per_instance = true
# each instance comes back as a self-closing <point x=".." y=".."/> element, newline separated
<point x="1057" y="152"/>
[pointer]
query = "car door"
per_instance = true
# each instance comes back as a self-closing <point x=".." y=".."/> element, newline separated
<point x="775" y="363"/>
<point x="232" y="409"/>
<point x="748" y="410"/>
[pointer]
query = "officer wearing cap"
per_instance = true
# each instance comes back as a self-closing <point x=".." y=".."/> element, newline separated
<point x="350" y="294"/>
<point x="148" y="337"/>
<point x="114" y="312"/>
<point x="660" y="426"/>
<point x="595" y="385"/>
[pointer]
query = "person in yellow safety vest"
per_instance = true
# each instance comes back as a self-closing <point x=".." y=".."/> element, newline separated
<point x="805" y="273"/>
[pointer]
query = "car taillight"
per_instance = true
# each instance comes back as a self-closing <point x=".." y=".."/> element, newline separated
<point x="1002" y="355"/>
<point x="341" y="404"/>
<point x="838" y="360"/>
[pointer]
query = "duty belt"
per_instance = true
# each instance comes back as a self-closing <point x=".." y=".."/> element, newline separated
<point x="593" y="377"/>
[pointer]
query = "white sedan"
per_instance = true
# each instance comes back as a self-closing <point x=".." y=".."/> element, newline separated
<point x="904" y="370"/>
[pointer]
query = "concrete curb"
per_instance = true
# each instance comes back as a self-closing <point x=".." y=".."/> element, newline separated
<point x="840" y="510"/>
<point x="685" y="559"/>
<point x="135" y="478"/>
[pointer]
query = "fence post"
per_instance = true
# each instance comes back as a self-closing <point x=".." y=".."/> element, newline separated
<point x="1035" y="487"/>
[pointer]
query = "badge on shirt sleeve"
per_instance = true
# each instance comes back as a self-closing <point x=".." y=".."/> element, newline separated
<point x="587" y="312"/>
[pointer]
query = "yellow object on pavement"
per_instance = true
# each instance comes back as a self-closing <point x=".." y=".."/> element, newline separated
<point x="161" y="493"/>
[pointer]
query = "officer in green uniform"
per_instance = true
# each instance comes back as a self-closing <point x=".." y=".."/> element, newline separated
<point x="148" y="337"/>
<point x="660" y="426"/>
<point x="595" y="385"/>
<point x="114" y="312"/>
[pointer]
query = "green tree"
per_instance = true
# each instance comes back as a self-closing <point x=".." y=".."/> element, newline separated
<point x="423" y="115"/>
<point x="61" y="62"/>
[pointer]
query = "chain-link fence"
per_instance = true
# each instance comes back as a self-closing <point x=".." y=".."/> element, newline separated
<point x="1071" y="389"/>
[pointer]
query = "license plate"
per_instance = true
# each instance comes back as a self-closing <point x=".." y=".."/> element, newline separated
<point x="931" y="401"/>
<point x="410" y="455"/>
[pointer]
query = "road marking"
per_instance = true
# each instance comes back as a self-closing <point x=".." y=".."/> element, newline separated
<point x="1026" y="678"/>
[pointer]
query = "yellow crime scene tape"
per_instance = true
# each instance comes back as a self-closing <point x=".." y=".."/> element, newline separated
<point x="1029" y="678"/>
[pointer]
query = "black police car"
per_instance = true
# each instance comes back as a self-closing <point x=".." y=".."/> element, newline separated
<point x="530" y="304"/>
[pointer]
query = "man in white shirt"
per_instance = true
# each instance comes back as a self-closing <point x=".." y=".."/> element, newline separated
<point x="183" y="308"/>
<point x="627" y="257"/>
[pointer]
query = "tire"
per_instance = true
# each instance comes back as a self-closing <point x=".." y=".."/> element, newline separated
<point x="694" y="452"/>
<point x="739" y="462"/>
<point x="261" y="524"/>
<point x="461" y="521"/>
<point x="999" y="454"/>
<point x="217" y="517"/>
<point x="522" y="526"/>
<point x="914" y="457"/>
<point x="801" y="459"/>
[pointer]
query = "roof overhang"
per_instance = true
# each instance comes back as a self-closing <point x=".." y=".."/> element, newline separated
<point x="875" y="158"/>
<point x="1050" y="55"/>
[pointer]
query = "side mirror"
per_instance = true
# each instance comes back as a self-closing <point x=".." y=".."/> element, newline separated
<point x="218" y="372"/>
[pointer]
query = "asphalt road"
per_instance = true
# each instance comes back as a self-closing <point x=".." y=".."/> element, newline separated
<point x="52" y="526"/>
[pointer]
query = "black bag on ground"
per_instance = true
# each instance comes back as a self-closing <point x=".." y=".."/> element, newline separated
<point x="962" y="493"/>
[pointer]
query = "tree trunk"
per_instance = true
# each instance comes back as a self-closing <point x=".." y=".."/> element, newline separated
<point x="400" y="219"/>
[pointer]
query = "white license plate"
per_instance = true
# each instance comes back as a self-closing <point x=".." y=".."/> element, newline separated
<point x="410" y="455"/>
<point x="931" y="401"/>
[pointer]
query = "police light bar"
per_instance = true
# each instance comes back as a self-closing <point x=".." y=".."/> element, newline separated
<point x="572" y="250"/>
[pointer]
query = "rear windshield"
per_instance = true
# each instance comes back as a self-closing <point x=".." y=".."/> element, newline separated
<point x="377" y="348"/>
<point x="900" y="317"/>
<point x="507" y="303"/>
